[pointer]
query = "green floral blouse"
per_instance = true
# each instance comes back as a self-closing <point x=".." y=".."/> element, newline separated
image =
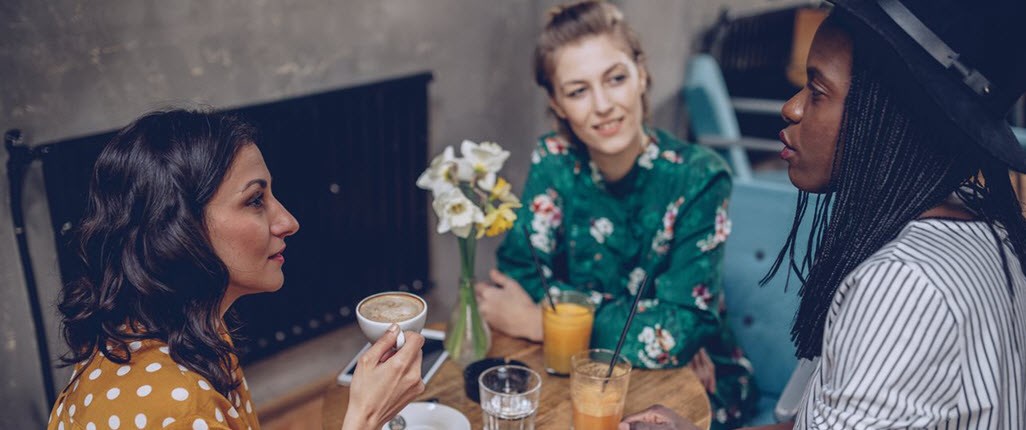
<point x="668" y="219"/>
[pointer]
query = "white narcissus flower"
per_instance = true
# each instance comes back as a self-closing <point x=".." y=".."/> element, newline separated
<point x="485" y="157"/>
<point x="456" y="212"/>
<point x="439" y="177"/>
<point x="482" y="160"/>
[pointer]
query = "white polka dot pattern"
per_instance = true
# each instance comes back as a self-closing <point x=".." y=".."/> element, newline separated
<point x="179" y="394"/>
<point x="134" y="346"/>
<point x="134" y="395"/>
<point x="164" y="350"/>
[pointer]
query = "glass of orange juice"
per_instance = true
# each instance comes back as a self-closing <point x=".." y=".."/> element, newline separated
<point x="598" y="399"/>
<point x="566" y="330"/>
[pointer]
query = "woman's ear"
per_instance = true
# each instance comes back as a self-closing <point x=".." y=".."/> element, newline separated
<point x="554" y="105"/>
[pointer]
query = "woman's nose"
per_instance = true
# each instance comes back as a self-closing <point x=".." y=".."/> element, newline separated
<point x="284" y="224"/>
<point x="603" y="104"/>
<point x="793" y="109"/>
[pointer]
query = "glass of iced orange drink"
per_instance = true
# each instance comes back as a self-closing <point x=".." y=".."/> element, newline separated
<point x="598" y="399"/>
<point x="566" y="330"/>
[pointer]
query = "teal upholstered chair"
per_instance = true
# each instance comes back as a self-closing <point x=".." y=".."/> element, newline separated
<point x="713" y="121"/>
<point x="761" y="213"/>
<point x="710" y="112"/>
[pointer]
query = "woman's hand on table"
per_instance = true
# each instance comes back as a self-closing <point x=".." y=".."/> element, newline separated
<point x="508" y="308"/>
<point x="384" y="382"/>
<point x="656" y="417"/>
<point x="704" y="368"/>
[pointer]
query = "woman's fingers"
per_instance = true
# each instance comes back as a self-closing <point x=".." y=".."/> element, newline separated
<point x="410" y="353"/>
<point x="501" y="279"/>
<point x="704" y="368"/>
<point x="377" y="352"/>
<point x="654" y="414"/>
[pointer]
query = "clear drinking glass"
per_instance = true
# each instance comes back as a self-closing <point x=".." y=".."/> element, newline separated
<point x="509" y="397"/>
<point x="566" y="329"/>
<point x="598" y="399"/>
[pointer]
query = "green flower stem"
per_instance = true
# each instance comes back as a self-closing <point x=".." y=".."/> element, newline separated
<point x="466" y="311"/>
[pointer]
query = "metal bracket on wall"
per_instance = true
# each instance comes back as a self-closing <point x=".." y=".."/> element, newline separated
<point x="19" y="158"/>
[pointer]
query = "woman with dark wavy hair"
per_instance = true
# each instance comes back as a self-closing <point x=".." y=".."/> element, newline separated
<point x="181" y="222"/>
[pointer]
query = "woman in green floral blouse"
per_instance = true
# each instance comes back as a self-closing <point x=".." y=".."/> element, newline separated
<point x="608" y="201"/>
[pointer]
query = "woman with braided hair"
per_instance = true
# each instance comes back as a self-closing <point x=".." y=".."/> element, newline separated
<point x="913" y="292"/>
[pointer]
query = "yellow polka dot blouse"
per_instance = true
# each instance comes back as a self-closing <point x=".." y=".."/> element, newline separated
<point x="150" y="392"/>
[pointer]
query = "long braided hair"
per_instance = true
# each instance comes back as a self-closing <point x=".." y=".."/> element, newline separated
<point x="891" y="165"/>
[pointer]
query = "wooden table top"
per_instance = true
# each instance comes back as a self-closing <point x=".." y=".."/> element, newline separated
<point x="678" y="389"/>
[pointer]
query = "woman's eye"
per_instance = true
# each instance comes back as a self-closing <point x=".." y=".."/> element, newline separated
<point x="618" y="78"/>
<point x="257" y="201"/>
<point x="814" y="92"/>
<point x="576" y="93"/>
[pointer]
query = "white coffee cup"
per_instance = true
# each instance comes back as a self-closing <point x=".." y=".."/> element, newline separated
<point x="407" y="316"/>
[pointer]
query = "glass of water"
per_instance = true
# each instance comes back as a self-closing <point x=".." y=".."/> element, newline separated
<point x="509" y="397"/>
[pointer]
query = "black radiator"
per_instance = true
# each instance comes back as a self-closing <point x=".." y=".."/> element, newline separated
<point x="345" y="164"/>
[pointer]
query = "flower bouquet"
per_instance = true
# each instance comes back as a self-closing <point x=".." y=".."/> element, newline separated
<point x="471" y="201"/>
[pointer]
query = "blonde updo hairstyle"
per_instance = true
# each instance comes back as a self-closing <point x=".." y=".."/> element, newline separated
<point x="571" y="23"/>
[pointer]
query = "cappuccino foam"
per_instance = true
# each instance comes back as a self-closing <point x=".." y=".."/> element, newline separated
<point x="391" y="308"/>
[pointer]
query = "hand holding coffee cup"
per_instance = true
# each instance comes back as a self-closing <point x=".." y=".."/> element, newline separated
<point x="378" y="312"/>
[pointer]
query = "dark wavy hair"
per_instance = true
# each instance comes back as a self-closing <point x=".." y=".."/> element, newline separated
<point x="893" y="162"/>
<point x="150" y="271"/>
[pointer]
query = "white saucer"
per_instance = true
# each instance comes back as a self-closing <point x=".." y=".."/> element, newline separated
<point x="432" y="416"/>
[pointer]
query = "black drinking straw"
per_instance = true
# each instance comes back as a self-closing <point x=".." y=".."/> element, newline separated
<point x="538" y="267"/>
<point x="623" y="334"/>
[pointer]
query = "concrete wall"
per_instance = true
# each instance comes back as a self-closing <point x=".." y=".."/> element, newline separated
<point x="75" y="67"/>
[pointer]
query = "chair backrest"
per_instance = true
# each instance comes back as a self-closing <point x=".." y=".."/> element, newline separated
<point x="761" y="215"/>
<point x="709" y="110"/>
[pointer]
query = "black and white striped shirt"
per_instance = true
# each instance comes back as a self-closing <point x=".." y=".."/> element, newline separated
<point x="924" y="334"/>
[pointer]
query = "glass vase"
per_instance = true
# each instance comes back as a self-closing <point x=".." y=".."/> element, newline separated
<point x="467" y="337"/>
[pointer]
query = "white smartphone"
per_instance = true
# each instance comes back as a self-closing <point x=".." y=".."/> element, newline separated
<point x="433" y="350"/>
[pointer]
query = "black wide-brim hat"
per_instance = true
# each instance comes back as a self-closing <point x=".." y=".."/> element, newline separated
<point x="967" y="57"/>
